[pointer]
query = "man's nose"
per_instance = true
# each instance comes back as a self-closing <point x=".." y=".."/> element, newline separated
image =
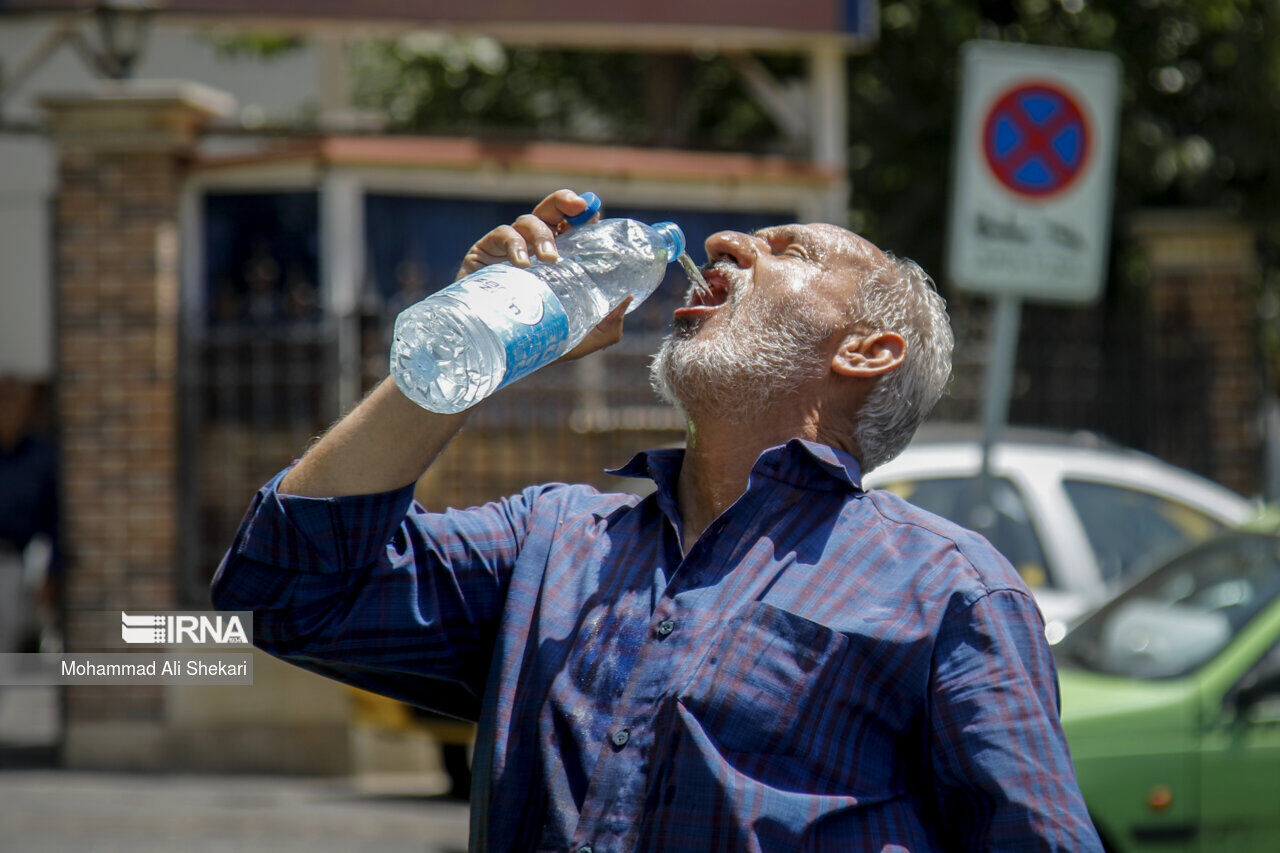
<point x="734" y="245"/>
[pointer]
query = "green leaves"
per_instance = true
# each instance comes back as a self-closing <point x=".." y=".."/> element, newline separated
<point x="439" y="83"/>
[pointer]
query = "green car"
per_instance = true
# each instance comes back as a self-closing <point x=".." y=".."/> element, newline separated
<point x="1171" y="701"/>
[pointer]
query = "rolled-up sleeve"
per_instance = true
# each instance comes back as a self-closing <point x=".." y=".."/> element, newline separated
<point x="376" y="592"/>
<point x="1002" y="771"/>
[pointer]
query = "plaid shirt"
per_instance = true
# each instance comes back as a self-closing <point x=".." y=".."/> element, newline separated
<point x="827" y="668"/>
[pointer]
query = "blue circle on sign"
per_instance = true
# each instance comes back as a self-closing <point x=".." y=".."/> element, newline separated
<point x="1036" y="139"/>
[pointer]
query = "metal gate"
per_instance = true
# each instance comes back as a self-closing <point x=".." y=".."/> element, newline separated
<point x="259" y="356"/>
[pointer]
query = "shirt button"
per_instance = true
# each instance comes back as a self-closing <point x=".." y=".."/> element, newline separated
<point x="620" y="737"/>
<point x="665" y="627"/>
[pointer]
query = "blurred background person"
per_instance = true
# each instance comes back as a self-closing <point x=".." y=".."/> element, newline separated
<point x="28" y="519"/>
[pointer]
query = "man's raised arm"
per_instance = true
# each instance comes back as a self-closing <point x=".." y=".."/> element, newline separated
<point x="388" y="441"/>
<point x="314" y="557"/>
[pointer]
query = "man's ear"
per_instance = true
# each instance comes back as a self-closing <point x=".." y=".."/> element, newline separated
<point x="870" y="355"/>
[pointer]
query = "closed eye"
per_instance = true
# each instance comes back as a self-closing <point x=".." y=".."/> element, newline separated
<point x="797" y="252"/>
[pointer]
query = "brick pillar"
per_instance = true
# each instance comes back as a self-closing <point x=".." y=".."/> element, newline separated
<point x="1204" y="346"/>
<point x="121" y="155"/>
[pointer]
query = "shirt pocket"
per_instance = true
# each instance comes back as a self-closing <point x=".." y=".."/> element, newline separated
<point x="769" y="683"/>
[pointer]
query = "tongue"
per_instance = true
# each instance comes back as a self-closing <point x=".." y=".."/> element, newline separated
<point x="694" y="311"/>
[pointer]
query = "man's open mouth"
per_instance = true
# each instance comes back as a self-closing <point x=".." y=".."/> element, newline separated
<point x="701" y="304"/>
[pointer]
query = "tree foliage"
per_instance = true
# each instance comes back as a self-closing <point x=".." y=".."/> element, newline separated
<point x="1200" y="120"/>
<point x="430" y="82"/>
<point x="1201" y="99"/>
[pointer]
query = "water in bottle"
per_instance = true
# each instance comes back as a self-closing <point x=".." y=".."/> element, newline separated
<point x="502" y="322"/>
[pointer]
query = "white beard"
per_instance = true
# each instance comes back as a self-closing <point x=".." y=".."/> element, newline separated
<point x="748" y="364"/>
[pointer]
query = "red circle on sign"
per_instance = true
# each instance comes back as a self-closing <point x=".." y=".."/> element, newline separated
<point x="1036" y="139"/>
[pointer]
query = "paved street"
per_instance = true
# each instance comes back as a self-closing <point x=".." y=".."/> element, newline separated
<point x="53" y="811"/>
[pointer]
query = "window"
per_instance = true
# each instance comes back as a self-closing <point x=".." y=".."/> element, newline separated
<point x="1009" y="528"/>
<point x="258" y="366"/>
<point x="1127" y="528"/>
<point x="1182" y="614"/>
<point x="1263" y="679"/>
<point x="261" y="259"/>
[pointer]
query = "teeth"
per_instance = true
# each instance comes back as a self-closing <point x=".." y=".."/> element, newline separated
<point x="720" y="287"/>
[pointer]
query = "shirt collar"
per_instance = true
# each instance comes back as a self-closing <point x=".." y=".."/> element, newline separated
<point x="799" y="462"/>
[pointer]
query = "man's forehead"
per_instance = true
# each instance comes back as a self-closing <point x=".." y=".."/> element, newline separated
<point x="820" y="235"/>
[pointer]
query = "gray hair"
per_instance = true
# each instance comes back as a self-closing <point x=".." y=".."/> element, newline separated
<point x="900" y="297"/>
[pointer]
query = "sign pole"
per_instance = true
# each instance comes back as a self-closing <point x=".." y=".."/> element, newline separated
<point x="997" y="388"/>
<point x="1031" y="199"/>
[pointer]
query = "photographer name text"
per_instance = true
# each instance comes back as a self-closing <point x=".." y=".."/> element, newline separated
<point x="127" y="669"/>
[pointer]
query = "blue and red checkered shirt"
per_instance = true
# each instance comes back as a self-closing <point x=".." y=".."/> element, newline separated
<point x="826" y="668"/>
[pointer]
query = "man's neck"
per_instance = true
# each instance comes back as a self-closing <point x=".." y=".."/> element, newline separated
<point x="718" y="460"/>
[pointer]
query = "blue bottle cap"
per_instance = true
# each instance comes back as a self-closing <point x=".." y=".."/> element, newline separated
<point x="673" y="237"/>
<point x="593" y="207"/>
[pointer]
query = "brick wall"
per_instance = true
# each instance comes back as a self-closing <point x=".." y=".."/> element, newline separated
<point x="117" y="376"/>
<point x="120" y="165"/>
<point x="1203" y="344"/>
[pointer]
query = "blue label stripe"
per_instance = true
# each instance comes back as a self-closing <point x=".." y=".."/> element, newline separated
<point x="521" y="310"/>
<point x="531" y="347"/>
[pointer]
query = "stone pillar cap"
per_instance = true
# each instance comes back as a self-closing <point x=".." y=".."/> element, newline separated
<point x="135" y="114"/>
<point x="214" y="103"/>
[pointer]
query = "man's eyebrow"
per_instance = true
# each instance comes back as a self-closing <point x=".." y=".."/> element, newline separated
<point x="798" y="236"/>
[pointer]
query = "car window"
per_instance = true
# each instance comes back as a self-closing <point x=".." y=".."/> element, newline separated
<point x="1009" y="528"/>
<point x="1183" y="613"/>
<point x="1128" y="528"/>
<point x="1266" y="707"/>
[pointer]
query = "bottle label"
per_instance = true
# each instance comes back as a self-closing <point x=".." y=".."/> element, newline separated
<point x="524" y="313"/>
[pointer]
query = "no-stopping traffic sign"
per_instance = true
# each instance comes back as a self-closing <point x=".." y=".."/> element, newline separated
<point x="1034" y="158"/>
<point x="1036" y="139"/>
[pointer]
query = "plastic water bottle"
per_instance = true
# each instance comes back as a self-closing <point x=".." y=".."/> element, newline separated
<point x="502" y="322"/>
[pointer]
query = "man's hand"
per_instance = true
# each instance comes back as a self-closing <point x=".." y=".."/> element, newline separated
<point x="388" y="441"/>
<point x="608" y="333"/>
<point x="531" y="233"/>
<point x="535" y="234"/>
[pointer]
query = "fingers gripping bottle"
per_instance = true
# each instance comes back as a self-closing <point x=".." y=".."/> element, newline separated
<point x="502" y="322"/>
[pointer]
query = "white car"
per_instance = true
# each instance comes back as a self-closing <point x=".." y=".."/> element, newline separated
<point x="1078" y="517"/>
